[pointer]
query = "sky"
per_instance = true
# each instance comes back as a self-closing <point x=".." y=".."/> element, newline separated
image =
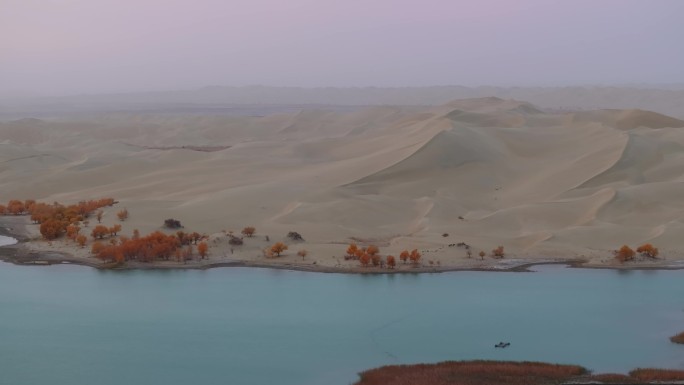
<point x="61" y="47"/>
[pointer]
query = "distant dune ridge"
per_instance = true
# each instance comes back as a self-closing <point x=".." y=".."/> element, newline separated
<point x="487" y="171"/>
<point x="664" y="99"/>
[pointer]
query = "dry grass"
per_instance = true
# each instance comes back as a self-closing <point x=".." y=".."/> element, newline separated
<point x="657" y="375"/>
<point x="678" y="339"/>
<point x="471" y="373"/>
<point x="506" y="373"/>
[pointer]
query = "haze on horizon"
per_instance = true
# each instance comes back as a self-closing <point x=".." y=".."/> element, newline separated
<point x="59" y="47"/>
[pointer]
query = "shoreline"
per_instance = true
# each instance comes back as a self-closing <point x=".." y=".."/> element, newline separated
<point x="20" y="254"/>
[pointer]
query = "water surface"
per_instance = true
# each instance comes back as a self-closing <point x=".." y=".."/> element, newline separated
<point x="4" y="241"/>
<point x="72" y="325"/>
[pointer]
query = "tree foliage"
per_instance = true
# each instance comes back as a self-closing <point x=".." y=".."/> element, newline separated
<point x="404" y="256"/>
<point x="648" y="250"/>
<point x="302" y="253"/>
<point x="391" y="261"/>
<point x="498" y="252"/>
<point x="278" y="248"/>
<point x="202" y="249"/>
<point x="415" y="256"/>
<point x="624" y="254"/>
<point x="248" y="231"/>
<point x="122" y="215"/>
<point x="99" y="231"/>
<point x="351" y="250"/>
<point x="372" y="250"/>
<point x="172" y="223"/>
<point x="52" y="228"/>
<point x="365" y="259"/>
<point x="81" y="240"/>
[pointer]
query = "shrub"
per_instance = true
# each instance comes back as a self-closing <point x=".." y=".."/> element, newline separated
<point x="653" y="375"/>
<point x="295" y="236"/>
<point x="122" y="215"/>
<point x="172" y="224"/>
<point x="81" y="240"/>
<point x="498" y="252"/>
<point x="97" y="247"/>
<point x="678" y="339"/>
<point x="248" y="231"/>
<point x="471" y="373"/>
<point x="302" y="253"/>
<point x="624" y="254"/>
<point x="351" y="251"/>
<point x="647" y="250"/>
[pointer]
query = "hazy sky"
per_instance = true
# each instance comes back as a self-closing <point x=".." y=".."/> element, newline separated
<point x="53" y="47"/>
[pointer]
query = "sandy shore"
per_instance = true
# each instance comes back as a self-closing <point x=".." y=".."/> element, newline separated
<point x="31" y="250"/>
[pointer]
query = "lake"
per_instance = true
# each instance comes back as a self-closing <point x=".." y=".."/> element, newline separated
<point x="72" y="325"/>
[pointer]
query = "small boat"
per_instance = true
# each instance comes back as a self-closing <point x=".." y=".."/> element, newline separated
<point x="502" y="345"/>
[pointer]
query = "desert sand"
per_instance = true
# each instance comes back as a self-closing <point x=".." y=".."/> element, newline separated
<point x="548" y="186"/>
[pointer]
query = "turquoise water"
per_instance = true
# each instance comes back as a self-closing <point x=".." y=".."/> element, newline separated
<point x="72" y="325"/>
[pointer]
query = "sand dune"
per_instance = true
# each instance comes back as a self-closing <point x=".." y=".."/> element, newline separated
<point x="486" y="171"/>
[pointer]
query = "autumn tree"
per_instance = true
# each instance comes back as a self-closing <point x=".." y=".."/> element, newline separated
<point x="375" y="259"/>
<point x="372" y="250"/>
<point x="302" y="253"/>
<point x="202" y="249"/>
<point x="99" y="215"/>
<point x="99" y="231"/>
<point x="81" y="240"/>
<point x="248" y="231"/>
<point x="365" y="259"/>
<point x="3" y="210"/>
<point x="278" y="248"/>
<point x="111" y="253"/>
<point x="97" y="247"/>
<point x="51" y="229"/>
<point x="72" y="231"/>
<point x="624" y="254"/>
<point x="391" y="262"/>
<point x="351" y="250"/>
<point x="482" y="255"/>
<point x="647" y="250"/>
<point x="15" y="207"/>
<point x="196" y="237"/>
<point x="415" y="256"/>
<point x="114" y="230"/>
<point x="136" y="234"/>
<point x="122" y="215"/>
<point x="498" y="252"/>
<point x="404" y="256"/>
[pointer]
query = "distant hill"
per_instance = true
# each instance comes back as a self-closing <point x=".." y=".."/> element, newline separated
<point x="665" y="100"/>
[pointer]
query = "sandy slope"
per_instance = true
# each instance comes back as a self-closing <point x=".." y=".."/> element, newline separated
<point x="486" y="171"/>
